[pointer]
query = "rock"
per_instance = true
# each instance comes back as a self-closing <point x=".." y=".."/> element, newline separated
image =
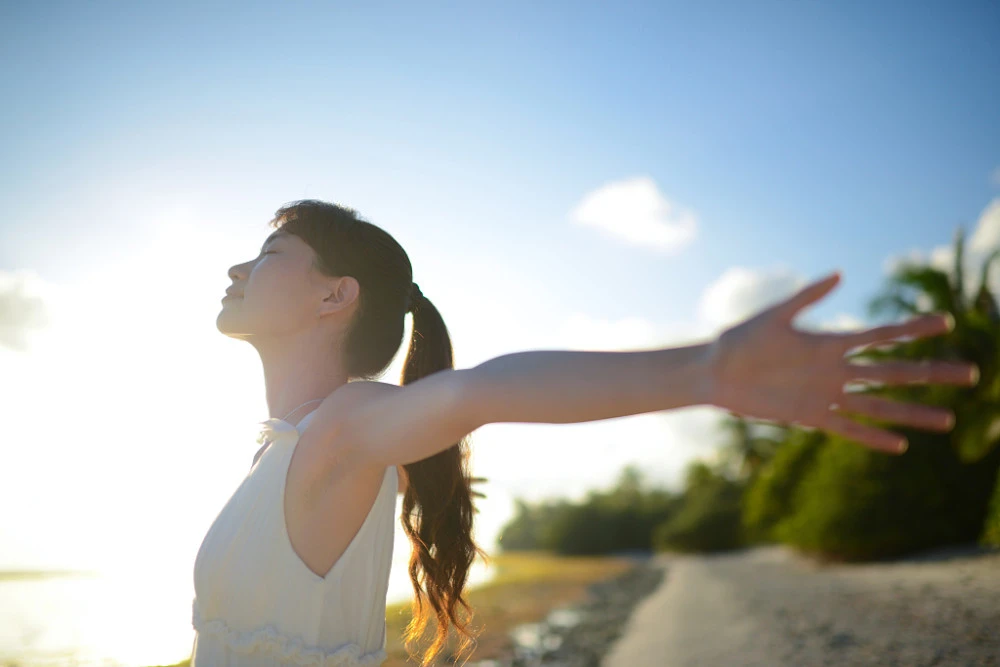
<point x="580" y="636"/>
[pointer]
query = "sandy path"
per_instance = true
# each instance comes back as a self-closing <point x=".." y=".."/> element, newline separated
<point x="768" y="606"/>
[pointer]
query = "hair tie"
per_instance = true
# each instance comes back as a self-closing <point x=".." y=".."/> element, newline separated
<point x="416" y="296"/>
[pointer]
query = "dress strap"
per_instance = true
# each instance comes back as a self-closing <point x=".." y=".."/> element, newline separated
<point x="273" y="425"/>
<point x="296" y="408"/>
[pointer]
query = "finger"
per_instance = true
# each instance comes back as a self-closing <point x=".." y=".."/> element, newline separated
<point x="906" y="414"/>
<point x="920" y="327"/>
<point x="923" y="372"/>
<point x="809" y="295"/>
<point x="869" y="436"/>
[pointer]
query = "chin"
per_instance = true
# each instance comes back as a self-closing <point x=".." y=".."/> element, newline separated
<point x="224" y="326"/>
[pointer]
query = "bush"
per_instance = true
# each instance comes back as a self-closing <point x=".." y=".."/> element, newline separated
<point x="530" y="525"/>
<point x="586" y="529"/>
<point x="769" y="497"/>
<point x="857" y="504"/>
<point x="991" y="526"/>
<point x="621" y="519"/>
<point x="708" y="518"/>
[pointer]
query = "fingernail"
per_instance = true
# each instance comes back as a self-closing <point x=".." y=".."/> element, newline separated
<point x="902" y="446"/>
<point x="974" y="375"/>
<point x="949" y="320"/>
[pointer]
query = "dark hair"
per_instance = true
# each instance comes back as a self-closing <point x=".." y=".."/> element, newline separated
<point x="437" y="506"/>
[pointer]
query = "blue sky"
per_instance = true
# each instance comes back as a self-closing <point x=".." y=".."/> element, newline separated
<point x="573" y="175"/>
<point x="798" y="129"/>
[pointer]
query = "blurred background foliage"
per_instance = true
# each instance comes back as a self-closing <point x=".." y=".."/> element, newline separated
<point x="815" y="491"/>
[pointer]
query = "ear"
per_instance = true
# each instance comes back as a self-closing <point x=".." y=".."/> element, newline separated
<point x="344" y="291"/>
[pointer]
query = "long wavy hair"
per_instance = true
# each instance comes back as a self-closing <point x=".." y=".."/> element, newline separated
<point x="437" y="506"/>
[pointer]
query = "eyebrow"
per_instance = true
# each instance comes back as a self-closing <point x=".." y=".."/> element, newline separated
<point x="276" y="235"/>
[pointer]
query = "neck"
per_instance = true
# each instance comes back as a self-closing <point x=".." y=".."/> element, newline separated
<point x="295" y="373"/>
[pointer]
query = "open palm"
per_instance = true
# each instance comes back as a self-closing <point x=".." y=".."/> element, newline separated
<point x="767" y="369"/>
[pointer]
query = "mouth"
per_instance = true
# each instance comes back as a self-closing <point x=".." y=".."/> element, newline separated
<point x="230" y="297"/>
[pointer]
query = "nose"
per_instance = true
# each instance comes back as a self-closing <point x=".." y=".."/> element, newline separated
<point x="236" y="273"/>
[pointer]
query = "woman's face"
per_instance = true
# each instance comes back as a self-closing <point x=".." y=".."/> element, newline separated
<point x="276" y="293"/>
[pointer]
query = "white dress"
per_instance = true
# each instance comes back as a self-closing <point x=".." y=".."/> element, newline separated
<point x="256" y="603"/>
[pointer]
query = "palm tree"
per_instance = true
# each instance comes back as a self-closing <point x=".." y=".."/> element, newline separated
<point x="746" y="450"/>
<point x="915" y="289"/>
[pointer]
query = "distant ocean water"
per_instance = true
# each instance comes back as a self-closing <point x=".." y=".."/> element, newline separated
<point x="112" y="621"/>
<point x="122" y="620"/>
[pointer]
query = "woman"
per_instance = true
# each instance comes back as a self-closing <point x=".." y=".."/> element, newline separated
<point x="294" y="570"/>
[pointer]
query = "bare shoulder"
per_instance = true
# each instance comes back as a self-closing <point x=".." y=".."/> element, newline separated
<point x="349" y="397"/>
<point x="321" y="438"/>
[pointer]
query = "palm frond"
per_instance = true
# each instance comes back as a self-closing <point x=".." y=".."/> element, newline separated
<point x="891" y="304"/>
<point x="958" y="287"/>
<point x="932" y="282"/>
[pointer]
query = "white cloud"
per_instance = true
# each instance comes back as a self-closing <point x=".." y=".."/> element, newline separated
<point x="636" y="212"/>
<point x="986" y="236"/>
<point x="983" y="240"/>
<point x="894" y="262"/>
<point x="740" y="292"/>
<point x="843" y="322"/>
<point x="942" y="258"/>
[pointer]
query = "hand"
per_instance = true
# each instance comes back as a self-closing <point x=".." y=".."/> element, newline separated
<point x="765" y="368"/>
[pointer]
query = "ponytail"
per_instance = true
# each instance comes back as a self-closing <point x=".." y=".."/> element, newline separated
<point x="438" y="487"/>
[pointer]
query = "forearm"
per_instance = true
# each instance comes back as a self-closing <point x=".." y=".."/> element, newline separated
<point x="563" y="386"/>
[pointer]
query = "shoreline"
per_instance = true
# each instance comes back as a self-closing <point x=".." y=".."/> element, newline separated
<point x="582" y="634"/>
<point x="531" y="594"/>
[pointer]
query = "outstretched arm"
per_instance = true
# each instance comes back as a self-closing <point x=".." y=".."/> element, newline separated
<point x="762" y="368"/>
<point x="399" y="425"/>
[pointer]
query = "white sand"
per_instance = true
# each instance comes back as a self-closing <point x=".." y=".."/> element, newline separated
<point x="769" y="606"/>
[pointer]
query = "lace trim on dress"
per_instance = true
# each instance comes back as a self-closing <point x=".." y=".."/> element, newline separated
<point x="287" y="648"/>
<point x="274" y="428"/>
